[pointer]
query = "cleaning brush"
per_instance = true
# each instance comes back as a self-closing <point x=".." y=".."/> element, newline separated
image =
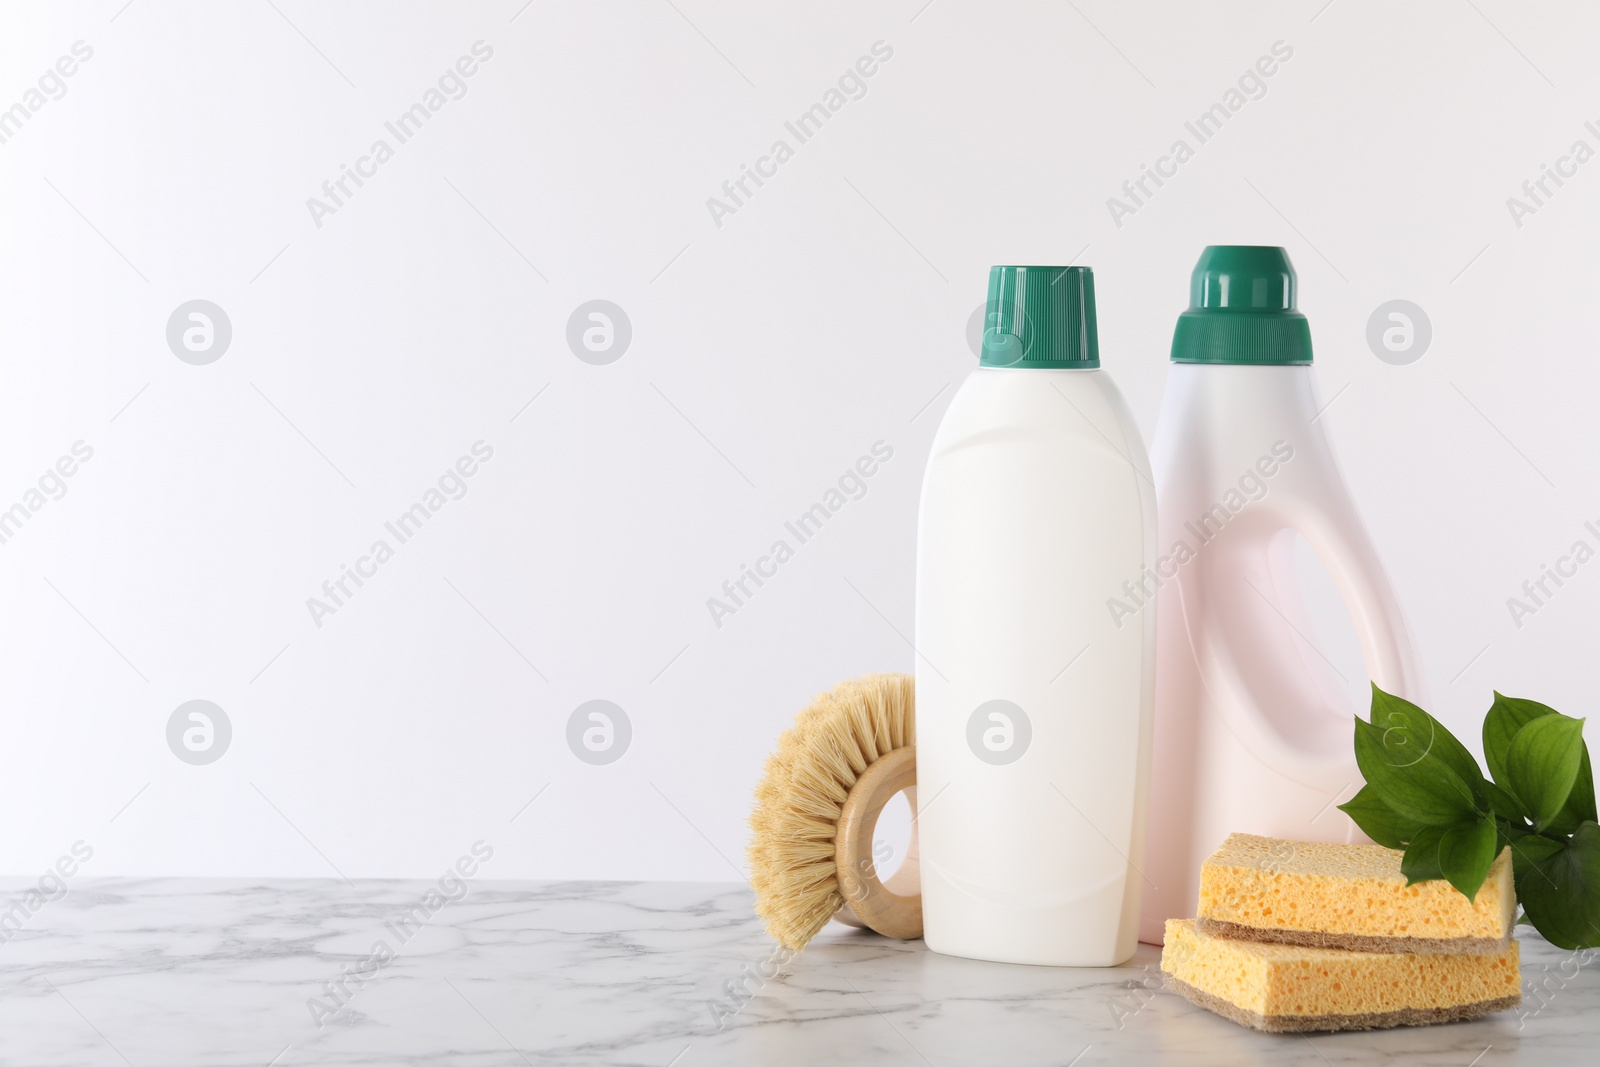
<point x="817" y="805"/>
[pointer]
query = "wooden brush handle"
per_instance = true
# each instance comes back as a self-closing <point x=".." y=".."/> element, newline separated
<point x="894" y="907"/>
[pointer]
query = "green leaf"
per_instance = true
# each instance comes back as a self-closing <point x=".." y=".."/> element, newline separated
<point x="1378" y="820"/>
<point x="1466" y="852"/>
<point x="1419" y="788"/>
<point x="1421" y="863"/>
<point x="1542" y="763"/>
<point x="1579" y="808"/>
<point x="1391" y="712"/>
<point x="1504" y="804"/>
<point x="1508" y="715"/>
<point x="1558" y="883"/>
<point x="1530" y="849"/>
<point x="1424" y="790"/>
<point x="1412" y="762"/>
<point x="1462" y="854"/>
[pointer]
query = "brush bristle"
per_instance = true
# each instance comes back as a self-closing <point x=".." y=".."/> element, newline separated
<point x="800" y="797"/>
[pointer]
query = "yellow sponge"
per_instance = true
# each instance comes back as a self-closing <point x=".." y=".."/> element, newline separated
<point x="1347" y="896"/>
<point x="1288" y="988"/>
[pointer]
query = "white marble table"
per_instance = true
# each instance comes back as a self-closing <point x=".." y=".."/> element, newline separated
<point x="173" y="972"/>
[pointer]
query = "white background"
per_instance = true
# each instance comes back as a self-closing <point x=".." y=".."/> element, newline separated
<point x="768" y="354"/>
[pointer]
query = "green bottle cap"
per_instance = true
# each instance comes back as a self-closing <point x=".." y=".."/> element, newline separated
<point x="1040" y="317"/>
<point x="1242" y="309"/>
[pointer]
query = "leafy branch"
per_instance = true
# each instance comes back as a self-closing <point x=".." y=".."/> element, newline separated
<point x="1425" y="794"/>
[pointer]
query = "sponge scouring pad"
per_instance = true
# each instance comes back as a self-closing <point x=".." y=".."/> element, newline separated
<point x="1292" y="988"/>
<point x="1347" y="896"/>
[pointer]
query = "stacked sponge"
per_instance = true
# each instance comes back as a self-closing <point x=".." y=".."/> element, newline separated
<point x="1294" y="936"/>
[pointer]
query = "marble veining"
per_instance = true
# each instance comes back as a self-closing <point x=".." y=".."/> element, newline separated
<point x="184" y="971"/>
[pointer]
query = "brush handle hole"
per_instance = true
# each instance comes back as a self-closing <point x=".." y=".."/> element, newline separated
<point x="891" y="906"/>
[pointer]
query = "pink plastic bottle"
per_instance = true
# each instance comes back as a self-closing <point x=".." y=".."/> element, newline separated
<point x="1247" y="738"/>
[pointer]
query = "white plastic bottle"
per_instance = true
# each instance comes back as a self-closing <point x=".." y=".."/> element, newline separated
<point x="1033" y="708"/>
<point x="1251" y="736"/>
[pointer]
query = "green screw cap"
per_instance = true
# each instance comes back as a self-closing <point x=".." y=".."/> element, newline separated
<point x="1242" y="309"/>
<point x="1040" y="317"/>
